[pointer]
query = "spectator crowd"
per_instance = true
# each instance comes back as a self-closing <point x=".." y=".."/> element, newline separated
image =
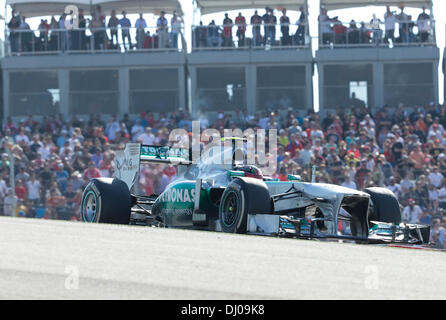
<point x="263" y="28"/>
<point x="400" y="148"/>
<point x="63" y="34"/>
<point x="57" y="35"/>
<point x="335" y="32"/>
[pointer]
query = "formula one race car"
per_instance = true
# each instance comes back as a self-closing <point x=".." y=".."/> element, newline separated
<point x="237" y="198"/>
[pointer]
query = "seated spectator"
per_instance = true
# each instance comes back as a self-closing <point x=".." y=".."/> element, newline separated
<point x="412" y="212"/>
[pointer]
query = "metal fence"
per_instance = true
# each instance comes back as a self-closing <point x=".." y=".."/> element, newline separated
<point x="92" y="40"/>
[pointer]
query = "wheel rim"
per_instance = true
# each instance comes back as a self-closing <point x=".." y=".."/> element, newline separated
<point x="89" y="207"/>
<point x="230" y="209"/>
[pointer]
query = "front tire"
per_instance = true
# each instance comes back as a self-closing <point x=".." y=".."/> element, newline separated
<point x="243" y="196"/>
<point x="106" y="200"/>
<point x="384" y="207"/>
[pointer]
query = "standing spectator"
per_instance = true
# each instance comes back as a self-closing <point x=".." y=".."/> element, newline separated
<point x="301" y="27"/>
<point x="147" y="138"/>
<point x="140" y="25"/>
<point x="227" y="31"/>
<point x="91" y="172"/>
<point x="240" y="21"/>
<point x="213" y="35"/>
<point x="266" y="22"/>
<point x="43" y="34"/>
<point x="285" y="28"/>
<point x="389" y="21"/>
<point x="325" y="27"/>
<point x="412" y="212"/>
<point x="27" y="37"/>
<point x="33" y="186"/>
<point x="176" y="24"/>
<point x="340" y="32"/>
<point x="435" y="177"/>
<point x="161" y="28"/>
<point x="423" y="23"/>
<point x="201" y="36"/>
<point x="256" y="21"/>
<point x="272" y="27"/>
<point x="9" y="203"/>
<point x="14" y="35"/>
<point x="403" y="20"/>
<point x="113" y="24"/>
<point x="125" y="24"/>
<point x="349" y="183"/>
<point x="63" y="33"/>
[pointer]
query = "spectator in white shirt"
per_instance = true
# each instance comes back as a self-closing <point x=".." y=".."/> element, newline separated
<point x="306" y="154"/>
<point x="389" y="21"/>
<point x="433" y="198"/>
<point x="394" y="187"/>
<point x="442" y="197"/>
<point x="147" y="138"/>
<point x="175" y="23"/>
<point x="349" y="183"/>
<point x="406" y="183"/>
<point x="21" y="137"/>
<point x="137" y="130"/>
<point x="435" y="178"/>
<point x="9" y="203"/>
<point x="412" y="212"/>
<point x="33" y="186"/>
<point x="140" y="25"/>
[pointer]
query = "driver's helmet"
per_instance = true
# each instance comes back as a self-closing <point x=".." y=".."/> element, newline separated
<point x="250" y="171"/>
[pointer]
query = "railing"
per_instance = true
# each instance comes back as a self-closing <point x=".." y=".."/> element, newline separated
<point x="92" y="40"/>
<point x="335" y="34"/>
<point x="248" y="36"/>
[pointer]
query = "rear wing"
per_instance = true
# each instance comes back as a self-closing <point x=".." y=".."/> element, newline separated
<point x="159" y="154"/>
<point x="128" y="160"/>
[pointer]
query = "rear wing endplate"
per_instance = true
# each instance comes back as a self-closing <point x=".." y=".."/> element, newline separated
<point x="128" y="160"/>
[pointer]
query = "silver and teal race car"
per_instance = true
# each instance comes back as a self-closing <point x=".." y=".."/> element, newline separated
<point x="232" y="197"/>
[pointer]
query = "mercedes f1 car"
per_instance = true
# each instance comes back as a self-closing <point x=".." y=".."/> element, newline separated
<point x="237" y="198"/>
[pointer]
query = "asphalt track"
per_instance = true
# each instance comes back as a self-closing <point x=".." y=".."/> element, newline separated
<point x="41" y="259"/>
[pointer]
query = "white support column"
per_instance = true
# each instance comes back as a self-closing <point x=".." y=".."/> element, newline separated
<point x="64" y="92"/>
<point x="124" y="91"/>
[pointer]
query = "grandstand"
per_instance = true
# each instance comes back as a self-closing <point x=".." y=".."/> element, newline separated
<point x="400" y="72"/>
<point x="252" y="75"/>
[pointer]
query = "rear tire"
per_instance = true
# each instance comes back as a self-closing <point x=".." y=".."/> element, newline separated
<point x="384" y="207"/>
<point x="106" y="200"/>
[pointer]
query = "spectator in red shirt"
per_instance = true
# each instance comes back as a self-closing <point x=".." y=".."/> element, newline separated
<point x="91" y="172"/>
<point x="227" y="31"/>
<point x="20" y="190"/>
<point x="240" y="21"/>
<point x="340" y="32"/>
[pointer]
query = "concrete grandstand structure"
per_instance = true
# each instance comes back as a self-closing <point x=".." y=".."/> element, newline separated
<point x="403" y="73"/>
<point x="213" y="79"/>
